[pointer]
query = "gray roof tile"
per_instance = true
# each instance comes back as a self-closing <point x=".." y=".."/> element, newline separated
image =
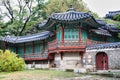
<point x="21" y="39"/>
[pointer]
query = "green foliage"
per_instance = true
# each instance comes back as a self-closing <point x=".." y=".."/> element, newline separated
<point x="57" y="6"/>
<point x="21" y="16"/>
<point x="109" y="21"/>
<point x="117" y="17"/>
<point x="10" y="62"/>
<point x="27" y="13"/>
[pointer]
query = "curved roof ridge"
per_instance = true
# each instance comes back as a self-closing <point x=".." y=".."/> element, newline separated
<point x="28" y="38"/>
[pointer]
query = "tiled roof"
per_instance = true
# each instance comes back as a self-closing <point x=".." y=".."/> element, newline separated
<point x="21" y="39"/>
<point x="104" y="46"/>
<point x="70" y="15"/>
<point x="101" y="31"/>
<point x="111" y="28"/>
<point x="108" y="26"/>
<point x="73" y="16"/>
<point x="101" y="21"/>
<point x="112" y="13"/>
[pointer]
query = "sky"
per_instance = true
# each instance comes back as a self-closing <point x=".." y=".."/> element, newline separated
<point x="102" y="7"/>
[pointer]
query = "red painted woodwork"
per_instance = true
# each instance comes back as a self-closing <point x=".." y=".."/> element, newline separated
<point x="62" y="35"/>
<point x="68" y="46"/>
<point x="80" y="34"/>
<point x="55" y="46"/>
<point x="35" y="56"/>
<point x="51" y="56"/>
<point x="101" y="61"/>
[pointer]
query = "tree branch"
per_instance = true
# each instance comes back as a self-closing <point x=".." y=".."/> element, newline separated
<point x="20" y="7"/>
<point x="9" y="8"/>
<point x="24" y="25"/>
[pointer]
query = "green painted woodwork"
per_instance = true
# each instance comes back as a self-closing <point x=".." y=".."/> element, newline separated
<point x="97" y="37"/>
<point x="28" y="49"/>
<point x="71" y="34"/>
<point x="20" y="51"/>
<point x="38" y="48"/>
<point x="84" y="35"/>
<point x="59" y="35"/>
<point x="11" y="48"/>
<point x="110" y="39"/>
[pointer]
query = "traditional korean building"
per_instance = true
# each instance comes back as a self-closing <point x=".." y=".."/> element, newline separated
<point x="72" y="40"/>
<point x="111" y="14"/>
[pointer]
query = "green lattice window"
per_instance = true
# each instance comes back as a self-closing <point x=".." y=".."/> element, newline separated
<point x="84" y="35"/>
<point x="59" y="33"/>
<point x="20" y="51"/>
<point x="110" y="39"/>
<point x="96" y="37"/>
<point x="29" y="49"/>
<point x="11" y="48"/>
<point x="37" y="48"/>
<point x="71" y="34"/>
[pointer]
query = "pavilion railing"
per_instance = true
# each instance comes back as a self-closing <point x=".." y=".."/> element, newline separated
<point x="36" y="55"/>
<point x="55" y="44"/>
<point x="42" y="55"/>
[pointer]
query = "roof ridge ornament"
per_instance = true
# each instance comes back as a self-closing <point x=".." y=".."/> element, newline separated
<point x="71" y="9"/>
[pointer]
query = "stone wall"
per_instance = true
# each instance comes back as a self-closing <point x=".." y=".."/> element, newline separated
<point x="70" y="60"/>
<point x="113" y="54"/>
<point x="37" y="66"/>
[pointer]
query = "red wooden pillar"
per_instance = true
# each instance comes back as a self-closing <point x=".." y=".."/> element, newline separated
<point x="80" y="34"/>
<point x="62" y="35"/>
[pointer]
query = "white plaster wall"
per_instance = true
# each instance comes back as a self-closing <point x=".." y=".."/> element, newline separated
<point x="57" y="60"/>
<point x="71" y="56"/>
<point x="71" y="60"/>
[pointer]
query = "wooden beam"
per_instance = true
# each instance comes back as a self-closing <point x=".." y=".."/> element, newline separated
<point x="62" y="35"/>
